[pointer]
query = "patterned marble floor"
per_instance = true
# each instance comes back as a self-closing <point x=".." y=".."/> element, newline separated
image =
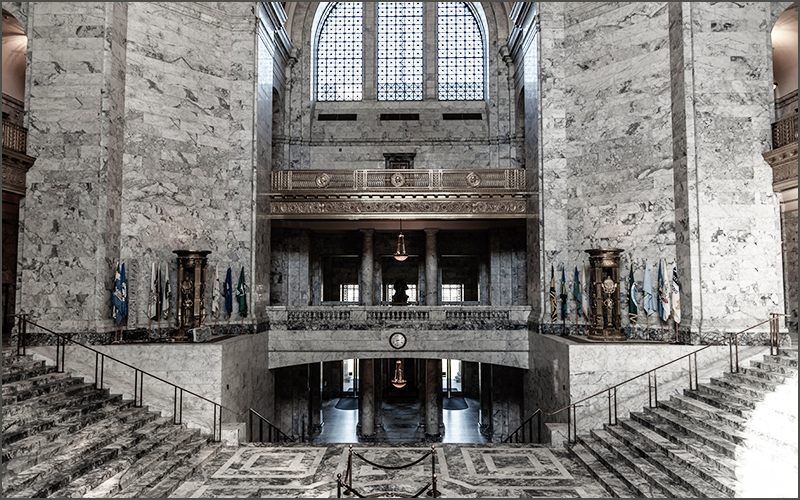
<point x="463" y="470"/>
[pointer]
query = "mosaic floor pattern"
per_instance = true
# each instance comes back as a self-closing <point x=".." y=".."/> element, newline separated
<point x="463" y="471"/>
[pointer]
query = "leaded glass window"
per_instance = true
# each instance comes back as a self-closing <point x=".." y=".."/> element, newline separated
<point x="460" y="49"/>
<point x="339" y="54"/>
<point x="400" y="51"/>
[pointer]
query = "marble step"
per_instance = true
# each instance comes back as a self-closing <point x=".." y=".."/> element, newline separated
<point x="74" y="461"/>
<point x="171" y="461"/>
<point x="22" y="428"/>
<point x="709" y="412"/>
<point x="689" y="441"/>
<point x="770" y="366"/>
<point x="57" y="382"/>
<point x="13" y="359"/>
<point x="184" y="472"/>
<point x="611" y="483"/>
<point x="703" y="423"/>
<point x="758" y="373"/>
<point x="133" y="447"/>
<point x="745" y="384"/>
<point x="25" y="385"/>
<point x="633" y="481"/>
<point x="729" y="394"/>
<point x="670" y="472"/>
<point x="33" y="408"/>
<point x="685" y="426"/>
<point x="19" y="372"/>
<point x="717" y="469"/>
<point x="782" y="359"/>
<point x="731" y="407"/>
<point x="90" y="432"/>
<point x="641" y="465"/>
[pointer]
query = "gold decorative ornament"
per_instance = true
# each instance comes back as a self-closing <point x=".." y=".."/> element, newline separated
<point x="322" y="180"/>
<point x="398" y="179"/>
<point x="473" y="179"/>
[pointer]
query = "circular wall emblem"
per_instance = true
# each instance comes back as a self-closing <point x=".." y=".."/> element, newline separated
<point x="473" y="179"/>
<point x="397" y="340"/>
<point x="398" y="180"/>
<point x="323" y="180"/>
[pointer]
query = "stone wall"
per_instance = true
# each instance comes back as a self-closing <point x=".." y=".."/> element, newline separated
<point x="790" y="277"/>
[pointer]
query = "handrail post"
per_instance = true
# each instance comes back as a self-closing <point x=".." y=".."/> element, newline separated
<point x="338" y="486"/>
<point x="615" y="406"/>
<point x="214" y="428"/>
<point x="736" y="344"/>
<point x="250" y="425"/>
<point x="609" y="407"/>
<point x="539" y="429"/>
<point x="655" y="387"/>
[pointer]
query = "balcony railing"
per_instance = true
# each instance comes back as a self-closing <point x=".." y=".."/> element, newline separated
<point x="322" y="182"/>
<point x="784" y="131"/>
<point x="15" y="137"/>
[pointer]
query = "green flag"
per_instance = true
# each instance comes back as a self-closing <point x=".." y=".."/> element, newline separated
<point x="241" y="295"/>
<point x="563" y="295"/>
<point x="633" y="309"/>
<point x="553" y="312"/>
<point x="576" y="290"/>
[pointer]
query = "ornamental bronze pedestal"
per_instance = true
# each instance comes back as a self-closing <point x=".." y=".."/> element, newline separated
<point x="191" y="289"/>
<point x="604" y="286"/>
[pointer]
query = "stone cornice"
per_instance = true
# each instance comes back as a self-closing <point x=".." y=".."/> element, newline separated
<point x="784" y="167"/>
<point x="15" y="169"/>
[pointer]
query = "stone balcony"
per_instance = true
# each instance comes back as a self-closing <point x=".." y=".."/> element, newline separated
<point x="380" y="194"/>
<point x="497" y="335"/>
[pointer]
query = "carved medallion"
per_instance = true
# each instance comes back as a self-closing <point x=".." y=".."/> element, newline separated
<point x="473" y="179"/>
<point x="398" y="180"/>
<point x="323" y="180"/>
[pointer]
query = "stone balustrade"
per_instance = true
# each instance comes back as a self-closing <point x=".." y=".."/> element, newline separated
<point x="497" y="335"/>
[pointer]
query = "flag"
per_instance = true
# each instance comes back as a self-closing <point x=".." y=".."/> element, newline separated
<point x="676" y="295"/>
<point x="215" y="293"/>
<point x="576" y="290"/>
<point x="166" y="296"/>
<point x="587" y="293"/>
<point x="241" y="295"/>
<point x="553" y="313"/>
<point x="153" y="310"/>
<point x="563" y="295"/>
<point x="633" y="310"/>
<point x="227" y="289"/>
<point x="663" y="296"/>
<point x="120" y="297"/>
<point x="647" y="289"/>
<point x="114" y="293"/>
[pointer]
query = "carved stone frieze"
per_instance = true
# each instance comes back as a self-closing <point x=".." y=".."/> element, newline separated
<point x="492" y="208"/>
<point x="784" y="167"/>
<point x="15" y="168"/>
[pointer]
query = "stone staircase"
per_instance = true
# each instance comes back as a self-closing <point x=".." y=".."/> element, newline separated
<point x="689" y="446"/>
<point x="64" y="438"/>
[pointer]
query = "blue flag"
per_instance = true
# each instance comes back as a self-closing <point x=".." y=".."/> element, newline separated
<point x="563" y="295"/>
<point x="120" y="297"/>
<point x="661" y="289"/>
<point x="649" y="300"/>
<point x="227" y="289"/>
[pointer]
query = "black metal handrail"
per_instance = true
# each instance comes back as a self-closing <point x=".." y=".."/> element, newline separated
<point x="347" y="481"/>
<point x="518" y="435"/>
<point x="273" y="432"/>
<point x="138" y="384"/>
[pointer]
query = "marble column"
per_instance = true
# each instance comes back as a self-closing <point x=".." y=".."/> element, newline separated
<point x="433" y="399"/>
<point x="431" y="268"/>
<point x="315" y="395"/>
<point x="366" y="398"/>
<point x="486" y="398"/>
<point x="367" y="268"/>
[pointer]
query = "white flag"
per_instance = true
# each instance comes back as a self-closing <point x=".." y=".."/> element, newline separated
<point x="215" y="293"/>
<point x="676" y="295"/>
<point x="151" y="310"/>
<point x="166" y="297"/>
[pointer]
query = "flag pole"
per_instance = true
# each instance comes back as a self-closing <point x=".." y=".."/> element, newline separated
<point x="158" y="266"/>
<point x="647" y="315"/>
<point x="215" y="321"/>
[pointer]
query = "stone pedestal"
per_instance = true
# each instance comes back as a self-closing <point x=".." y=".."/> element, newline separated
<point x="201" y="334"/>
<point x="191" y="289"/>
<point x="605" y="304"/>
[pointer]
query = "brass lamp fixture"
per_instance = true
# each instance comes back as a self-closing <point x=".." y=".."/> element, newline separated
<point x="401" y="254"/>
<point x="398" y="381"/>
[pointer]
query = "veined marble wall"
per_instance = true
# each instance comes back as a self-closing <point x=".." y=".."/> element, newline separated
<point x="727" y="220"/>
<point x="360" y="144"/>
<point x="143" y="121"/>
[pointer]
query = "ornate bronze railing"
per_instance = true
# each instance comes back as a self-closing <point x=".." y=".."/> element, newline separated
<point x="15" y="137"/>
<point x="784" y="131"/>
<point x="378" y="181"/>
<point x="519" y="434"/>
<point x="138" y="383"/>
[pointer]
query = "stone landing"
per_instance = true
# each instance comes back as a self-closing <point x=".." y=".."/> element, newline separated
<point x="464" y="471"/>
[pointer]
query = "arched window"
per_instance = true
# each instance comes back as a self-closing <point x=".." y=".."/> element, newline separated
<point x="400" y="51"/>
<point x="460" y="53"/>
<point x="339" y="54"/>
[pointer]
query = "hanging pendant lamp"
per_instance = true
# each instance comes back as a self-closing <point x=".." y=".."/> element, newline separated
<point x="400" y="254"/>
<point x="398" y="381"/>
